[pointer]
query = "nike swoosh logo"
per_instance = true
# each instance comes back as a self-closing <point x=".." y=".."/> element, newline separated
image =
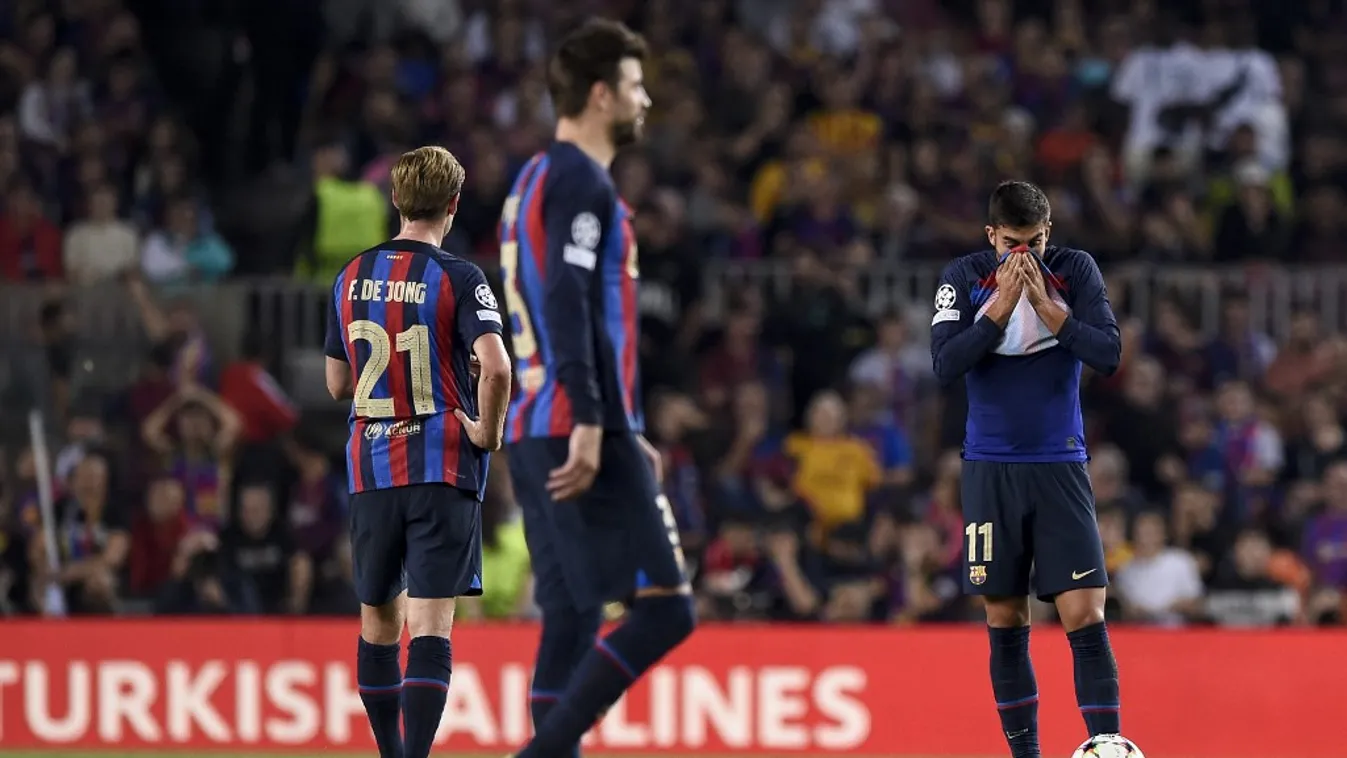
<point x="1016" y="735"/>
<point x="1078" y="575"/>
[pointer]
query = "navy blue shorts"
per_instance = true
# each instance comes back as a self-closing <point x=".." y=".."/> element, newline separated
<point x="618" y="537"/>
<point x="1029" y="526"/>
<point x="424" y="538"/>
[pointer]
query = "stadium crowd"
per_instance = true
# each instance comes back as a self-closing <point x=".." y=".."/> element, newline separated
<point x="811" y="458"/>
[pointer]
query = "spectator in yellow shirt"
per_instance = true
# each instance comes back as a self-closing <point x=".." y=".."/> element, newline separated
<point x="843" y="127"/>
<point x="834" y="470"/>
<point x="771" y="185"/>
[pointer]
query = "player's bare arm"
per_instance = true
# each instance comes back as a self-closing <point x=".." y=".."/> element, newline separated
<point x="493" y="393"/>
<point x="338" y="376"/>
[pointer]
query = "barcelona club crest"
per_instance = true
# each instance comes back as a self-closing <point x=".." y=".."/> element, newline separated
<point x="977" y="574"/>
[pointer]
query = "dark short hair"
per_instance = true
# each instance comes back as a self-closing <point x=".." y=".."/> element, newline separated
<point x="1018" y="205"/>
<point x="591" y="54"/>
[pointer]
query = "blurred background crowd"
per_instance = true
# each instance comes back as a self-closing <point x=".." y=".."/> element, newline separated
<point x="182" y="179"/>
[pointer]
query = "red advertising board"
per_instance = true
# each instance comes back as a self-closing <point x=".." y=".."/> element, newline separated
<point x="276" y="685"/>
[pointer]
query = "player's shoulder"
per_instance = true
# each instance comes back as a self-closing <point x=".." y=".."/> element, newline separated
<point x="1062" y="259"/>
<point x="357" y="261"/>
<point x="970" y="267"/>
<point x="572" y="171"/>
<point x="458" y="268"/>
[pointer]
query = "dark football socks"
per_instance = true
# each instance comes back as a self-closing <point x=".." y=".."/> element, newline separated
<point x="1096" y="679"/>
<point x="424" y="690"/>
<point x="1016" y="689"/>
<point x="654" y="626"/>
<point x="379" y="679"/>
<point x="567" y="636"/>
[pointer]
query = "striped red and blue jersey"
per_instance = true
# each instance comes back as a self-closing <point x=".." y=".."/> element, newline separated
<point x="569" y="261"/>
<point x="405" y="318"/>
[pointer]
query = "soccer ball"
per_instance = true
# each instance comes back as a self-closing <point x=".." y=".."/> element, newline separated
<point x="1108" y="746"/>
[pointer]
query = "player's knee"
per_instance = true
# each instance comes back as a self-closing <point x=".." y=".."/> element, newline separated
<point x="1007" y="612"/>
<point x="430" y="617"/>
<point x="670" y="618"/>
<point x="382" y="624"/>
<point x="1078" y="609"/>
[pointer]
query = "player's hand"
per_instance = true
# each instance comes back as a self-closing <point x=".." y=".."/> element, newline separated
<point x="654" y="456"/>
<point x="582" y="463"/>
<point x="487" y="439"/>
<point x="1009" y="287"/>
<point x="1032" y="275"/>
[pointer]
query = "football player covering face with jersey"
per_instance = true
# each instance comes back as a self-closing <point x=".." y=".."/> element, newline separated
<point x="1017" y="323"/>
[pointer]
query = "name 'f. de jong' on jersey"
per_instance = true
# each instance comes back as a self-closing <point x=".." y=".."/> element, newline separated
<point x="569" y="262"/>
<point x="405" y="317"/>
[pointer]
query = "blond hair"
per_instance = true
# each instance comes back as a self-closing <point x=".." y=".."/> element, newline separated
<point x="425" y="181"/>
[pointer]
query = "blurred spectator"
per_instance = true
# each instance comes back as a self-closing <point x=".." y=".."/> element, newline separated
<point x="1111" y="483"/>
<point x="1325" y="546"/>
<point x="1305" y="360"/>
<point x="1251" y="229"/>
<point x="942" y="510"/>
<point x="834" y="470"/>
<point x="156" y="537"/>
<point x="85" y="435"/>
<point x="891" y="448"/>
<point x="1321" y="441"/>
<point x="1142" y="426"/>
<point x="1250" y="447"/>
<point x="52" y="106"/>
<point x="92" y="541"/>
<point x="1161" y="584"/>
<point x="194" y="432"/>
<point x="30" y="244"/>
<point x="257" y="547"/>
<point x="180" y="253"/>
<point x="102" y="245"/>
<point x="736" y="577"/>
<point x="739" y="358"/>
<point x="797" y="598"/>
<point x="897" y="369"/>
<point x="176" y="328"/>
<point x="263" y="407"/>
<point x="1244" y="593"/>
<point x="932" y="590"/>
<point x="1240" y="351"/>
<point x="318" y="503"/>
<point x="202" y="585"/>
<point x="820" y="326"/>
<point x="348" y="216"/>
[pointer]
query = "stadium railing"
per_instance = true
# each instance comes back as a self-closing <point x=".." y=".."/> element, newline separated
<point x="292" y="314"/>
